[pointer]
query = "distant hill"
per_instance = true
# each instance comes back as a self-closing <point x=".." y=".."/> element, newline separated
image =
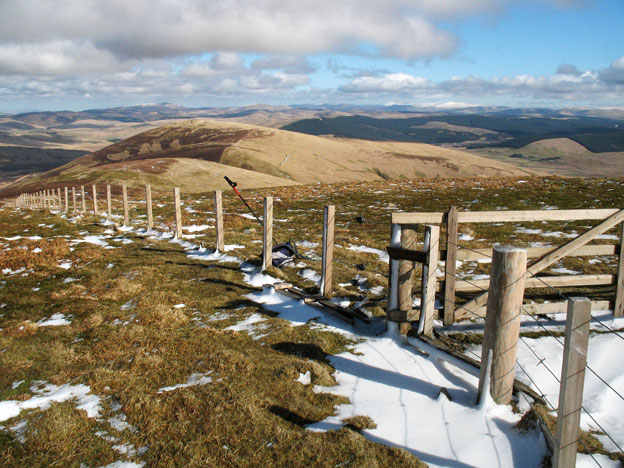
<point x="196" y="154"/>
<point x="504" y="129"/>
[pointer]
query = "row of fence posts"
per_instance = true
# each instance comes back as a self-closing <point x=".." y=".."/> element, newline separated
<point x="51" y="199"/>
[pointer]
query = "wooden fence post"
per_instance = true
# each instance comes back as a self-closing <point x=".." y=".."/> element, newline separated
<point x="95" y="205"/>
<point x="66" y="200"/>
<point x="429" y="273"/>
<point x="219" y="221"/>
<point x="267" y="237"/>
<point x="572" y="379"/>
<point x="450" y="267"/>
<point x="502" y="322"/>
<point x="406" y="276"/>
<point x="178" y="212"/>
<point x="124" y="192"/>
<point x="618" y="311"/>
<point x="74" y="199"/>
<point x="327" y="260"/>
<point x="148" y="206"/>
<point x="393" y="273"/>
<point x="58" y="199"/>
<point x="84" y="199"/>
<point x="109" y="207"/>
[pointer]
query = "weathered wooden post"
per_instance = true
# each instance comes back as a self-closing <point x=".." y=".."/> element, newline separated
<point x="429" y="273"/>
<point x="84" y="199"/>
<point x="219" y="221"/>
<point x="124" y="192"/>
<point x="450" y="267"/>
<point x="618" y="311"/>
<point x="178" y="212"/>
<point x="109" y="207"/>
<point x="74" y="199"/>
<point x="572" y="380"/>
<point x="406" y="277"/>
<point x="267" y="237"/>
<point x="58" y="198"/>
<point x="66" y="200"/>
<point x="502" y="322"/>
<point x="393" y="274"/>
<point x="95" y="204"/>
<point x="148" y="206"/>
<point x="327" y="259"/>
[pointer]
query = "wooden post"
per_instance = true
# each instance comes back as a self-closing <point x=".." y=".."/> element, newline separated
<point x="109" y="210"/>
<point x="148" y="206"/>
<point x="219" y="221"/>
<point x="618" y="311"/>
<point x="327" y="261"/>
<point x="393" y="273"/>
<point x="572" y="380"/>
<point x="502" y="322"/>
<point x="429" y="273"/>
<point x="58" y="198"/>
<point x="406" y="277"/>
<point x="74" y="199"/>
<point x="267" y="238"/>
<point x="66" y="200"/>
<point x="95" y="205"/>
<point x="450" y="267"/>
<point x="124" y="192"/>
<point x="178" y="212"/>
<point x="84" y="199"/>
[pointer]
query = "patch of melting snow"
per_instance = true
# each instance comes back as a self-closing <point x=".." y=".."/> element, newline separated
<point x="194" y="379"/>
<point x="66" y="265"/>
<point x="305" y="379"/>
<point x="250" y="325"/>
<point x="565" y="271"/>
<point x="46" y="394"/>
<point x="37" y="250"/>
<point x="70" y="280"/>
<point x="197" y="228"/>
<point x="310" y="275"/>
<point x="179" y="306"/>
<point x="54" y="321"/>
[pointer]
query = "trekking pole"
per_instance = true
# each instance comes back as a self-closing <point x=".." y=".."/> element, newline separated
<point x="233" y="185"/>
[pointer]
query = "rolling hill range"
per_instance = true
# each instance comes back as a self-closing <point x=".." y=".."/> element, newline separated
<point x="196" y="154"/>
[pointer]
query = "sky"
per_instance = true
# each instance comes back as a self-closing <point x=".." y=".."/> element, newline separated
<point x="84" y="54"/>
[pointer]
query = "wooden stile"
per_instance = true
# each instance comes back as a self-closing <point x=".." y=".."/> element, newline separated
<point x="327" y="262"/>
<point x="450" y="266"/>
<point x="552" y="257"/>
<point x="124" y="193"/>
<point x="219" y="221"/>
<point x="502" y="322"/>
<point x="572" y="380"/>
<point x="267" y="237"/>
<point x="148" y="207"/>
<point x="178" y="212"/>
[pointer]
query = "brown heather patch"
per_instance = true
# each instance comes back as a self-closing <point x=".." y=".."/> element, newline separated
<point x="25" y="328"/>
<point x="21" y="254"/>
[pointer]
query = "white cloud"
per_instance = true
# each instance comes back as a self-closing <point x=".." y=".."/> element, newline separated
<point x="55" y="58"/>
<point x="615" y="72"/>
<point x="165" y="28"/>
<point x="567" y="84"/>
